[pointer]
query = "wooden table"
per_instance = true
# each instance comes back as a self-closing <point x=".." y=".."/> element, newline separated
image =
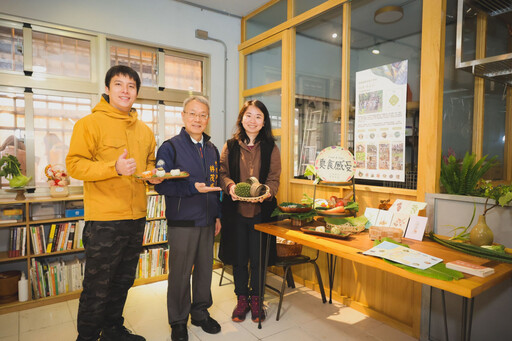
<point x="352" y="248"/>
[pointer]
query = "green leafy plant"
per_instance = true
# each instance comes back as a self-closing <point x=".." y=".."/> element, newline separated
<point x="462" y="178"/>
<point x="501" y="194"/>
<point x="10" y="169"/>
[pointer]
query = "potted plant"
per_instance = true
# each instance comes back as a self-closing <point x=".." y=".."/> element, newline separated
<point x="10" y="169"/>
<point x="481" y="234"/>
<point x="462" y="177"/>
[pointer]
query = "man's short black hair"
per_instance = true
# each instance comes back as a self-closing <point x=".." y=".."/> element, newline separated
<point x="122" y="70"/>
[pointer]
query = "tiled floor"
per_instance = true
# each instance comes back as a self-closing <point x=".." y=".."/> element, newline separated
<point x="303" y="317"/>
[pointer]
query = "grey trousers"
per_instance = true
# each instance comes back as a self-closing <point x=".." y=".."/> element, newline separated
<point x="189" y="247"/>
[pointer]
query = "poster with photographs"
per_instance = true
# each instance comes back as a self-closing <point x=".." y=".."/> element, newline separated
<point x="379" y="132"/>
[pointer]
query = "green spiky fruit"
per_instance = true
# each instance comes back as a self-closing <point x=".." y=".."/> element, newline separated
<point x="243" y="189"/>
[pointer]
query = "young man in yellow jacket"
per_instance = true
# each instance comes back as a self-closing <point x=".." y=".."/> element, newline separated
<point x="107" y="147"/>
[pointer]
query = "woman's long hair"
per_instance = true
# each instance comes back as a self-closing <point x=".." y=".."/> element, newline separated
<point x="265" y="133"/>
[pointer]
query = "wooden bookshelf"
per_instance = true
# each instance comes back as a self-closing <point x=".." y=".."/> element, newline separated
<point x="23" y="263"/>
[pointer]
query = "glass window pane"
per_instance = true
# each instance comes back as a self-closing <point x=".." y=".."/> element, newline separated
<point x="263" y="66"/>
<point x="266" y="19"/>
<point x="374" y="44"/>
<point x="60" y="55"/>
<point x="12" y="128"/>
<point x="458" y="95"/>
<point x="495" y="109"/>
<point x="183" y="74"/>
<point x="468" y="30"/>
<point x="11" y="49"/>
<point x="301" y="6"/>
<point x="272" y="100"/>
<point x="148" y="113"/>
<point x="317" y="122"/>
<point x="497" y="29"/>
<point x="54" y="118"/>
<point x="173" y="121"/>
<point x="142" y="61"/>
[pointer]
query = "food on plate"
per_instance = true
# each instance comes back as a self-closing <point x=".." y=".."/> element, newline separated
<point x="335" y="210"/>
<point x="147" y="174"/>
<point x="321" y="203"/>
<point x="320" y="229"/>
<point x="335" y="229"/>
<point x="243" y="189"/>
<point x="175" y="172"/>
<point x="160" y="172"/>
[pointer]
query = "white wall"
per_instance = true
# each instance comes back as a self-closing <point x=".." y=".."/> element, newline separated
<point x="164" y="23"/>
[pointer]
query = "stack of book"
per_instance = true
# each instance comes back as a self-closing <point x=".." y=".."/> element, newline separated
<point x="153" y="262"/>
<point x="17" y="244"/>
<point x="57" y="277"/>
<point x="61" y="237"/>
<point x="155" y="231"/>
<point x="156" y="206"/>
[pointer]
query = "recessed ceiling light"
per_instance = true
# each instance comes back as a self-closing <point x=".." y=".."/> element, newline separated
<point x="334" y="35"/>
<point x="375" y="51"/>
<point x="388" y="14"/>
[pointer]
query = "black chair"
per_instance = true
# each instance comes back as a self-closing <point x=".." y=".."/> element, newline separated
<point x="286" y="263"/>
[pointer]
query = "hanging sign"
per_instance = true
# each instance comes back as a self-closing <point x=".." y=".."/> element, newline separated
<point x="335" y="164"/>
<point x="379" y="133"/>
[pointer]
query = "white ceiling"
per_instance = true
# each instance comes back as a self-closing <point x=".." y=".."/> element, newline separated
<point x="238" y="8"/>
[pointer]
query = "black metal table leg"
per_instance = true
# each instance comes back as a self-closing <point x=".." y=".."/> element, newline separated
<point x="331" y="270"/>
<point x="467" y="318"/>
<point x="263" y="275"/>
<point x="444" y="315"/>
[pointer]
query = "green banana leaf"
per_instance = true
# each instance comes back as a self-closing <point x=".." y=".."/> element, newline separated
<point x="438" y="271"/>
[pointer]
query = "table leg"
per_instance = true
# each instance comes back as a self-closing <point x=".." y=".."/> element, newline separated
<point x="444" y="315"/>
<point x="467" y="318"/>
<point x="263" y="274"/>
<point x="331" y="270"/>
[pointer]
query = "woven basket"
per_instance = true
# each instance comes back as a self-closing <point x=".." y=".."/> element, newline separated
<point x="288" y="250"/>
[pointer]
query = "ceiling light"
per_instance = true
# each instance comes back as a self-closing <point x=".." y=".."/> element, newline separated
<point x="334" y="35"/>
<point x="375" y="51"/>
<point x="388" y="14"/>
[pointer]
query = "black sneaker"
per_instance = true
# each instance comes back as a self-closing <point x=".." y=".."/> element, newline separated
<point x="209" y="325"/>
<point x="179" y="332"/>
<point x="119" y="333"/>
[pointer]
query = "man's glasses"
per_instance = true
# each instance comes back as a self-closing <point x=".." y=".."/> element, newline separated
<point x="194" y="115"/>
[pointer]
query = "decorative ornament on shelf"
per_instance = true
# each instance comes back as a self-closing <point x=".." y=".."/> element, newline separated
<point x="10" y="169"/>
<point x="58" y="180"/>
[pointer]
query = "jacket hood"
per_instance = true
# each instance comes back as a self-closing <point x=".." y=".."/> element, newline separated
<point x="104" y="107"/>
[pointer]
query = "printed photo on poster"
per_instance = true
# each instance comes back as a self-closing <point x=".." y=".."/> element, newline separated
<point x="380" y="121"/>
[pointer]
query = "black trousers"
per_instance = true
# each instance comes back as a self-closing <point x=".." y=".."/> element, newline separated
<point x="247" y="256"/>
<point x="112" y="251"/>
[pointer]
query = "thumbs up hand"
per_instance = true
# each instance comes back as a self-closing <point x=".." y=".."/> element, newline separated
<point x="125" y="166"/>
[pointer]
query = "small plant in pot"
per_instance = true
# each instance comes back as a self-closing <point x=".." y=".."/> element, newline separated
<point x="481" y="234"/>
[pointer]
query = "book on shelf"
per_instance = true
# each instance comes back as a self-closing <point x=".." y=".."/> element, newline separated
<point x="153" y="261"/>
<point x="61" y="237"/>
<point x="71" y="236"/>
<point x="470" y="268"/>
<point x="155" y="231"/>
<point x="155" y="206"/>
<point x="17" y="242"/>
<point x="51" y="238"/>
<point x="56" y="277"/>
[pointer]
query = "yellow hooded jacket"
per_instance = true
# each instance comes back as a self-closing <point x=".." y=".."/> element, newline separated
<point x="97" y="142"/>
